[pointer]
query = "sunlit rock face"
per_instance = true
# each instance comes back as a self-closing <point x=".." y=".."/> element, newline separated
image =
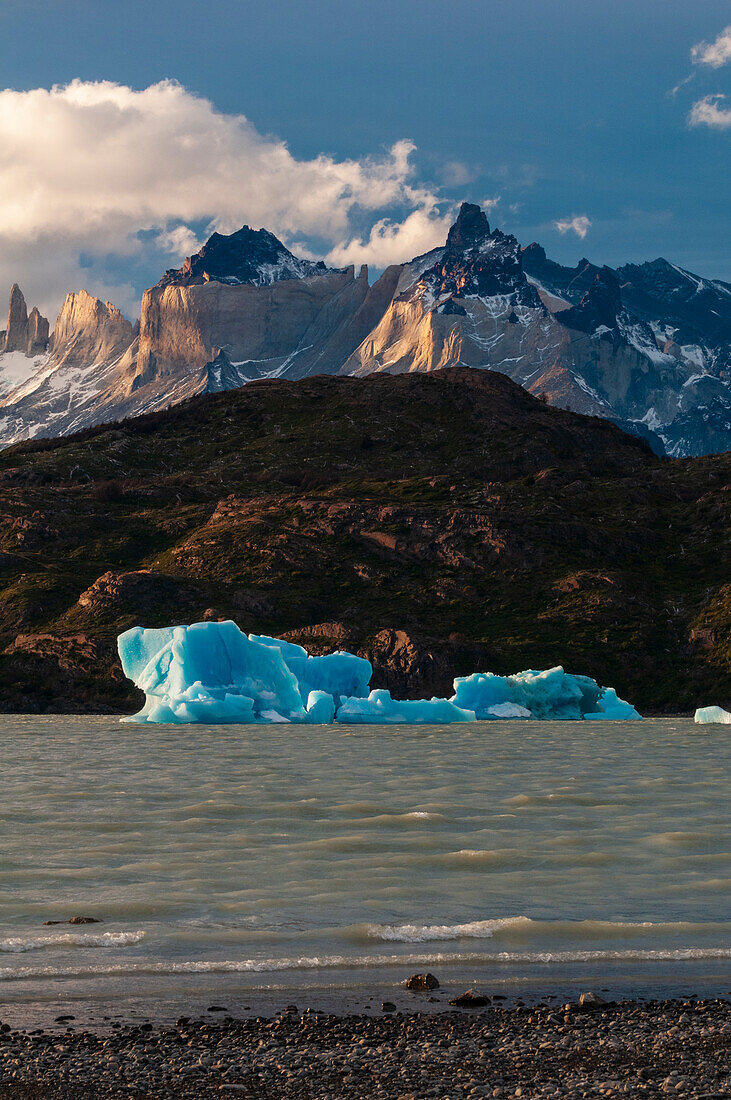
<point x="213" y="673"/>
<point x="89" y="332"/>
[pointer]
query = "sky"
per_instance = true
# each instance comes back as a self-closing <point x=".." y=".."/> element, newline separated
<point x="131" y="131"/>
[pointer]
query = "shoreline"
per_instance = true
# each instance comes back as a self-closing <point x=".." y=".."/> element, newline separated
<point x="162" y="997"/>
<point x="558" y="1049"/>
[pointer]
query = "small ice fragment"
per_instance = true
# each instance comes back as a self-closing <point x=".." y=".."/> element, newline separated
<point x="509" y="710"/>
<point x="712" y="715"/>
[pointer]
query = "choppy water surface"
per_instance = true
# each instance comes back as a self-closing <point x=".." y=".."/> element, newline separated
<point x="505" y="849"/>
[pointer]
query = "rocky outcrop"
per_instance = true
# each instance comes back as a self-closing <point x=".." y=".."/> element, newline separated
<point x="27" y="334"/>
<point x="400" y="663"/>
<point x="137" y="594"/>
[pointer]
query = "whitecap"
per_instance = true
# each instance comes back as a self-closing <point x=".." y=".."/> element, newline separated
<point x="13" y="945"/>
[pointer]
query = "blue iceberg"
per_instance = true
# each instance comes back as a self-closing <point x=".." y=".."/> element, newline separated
<point x="213" y="673"/>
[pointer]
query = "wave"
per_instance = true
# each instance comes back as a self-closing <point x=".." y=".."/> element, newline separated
<point x="361" y="962"/>
<point x="525" y="928"/>
<point x="423" y="933"/>
<point x="14" y="945"/>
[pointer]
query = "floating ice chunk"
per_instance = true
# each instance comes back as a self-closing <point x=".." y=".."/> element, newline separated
<point x="712" y="715"/>
<point x="339" y="674"/>
<point x="320" y="708"/>
<point x="208" y="672"/>
<point x="612" y="707"/>
<point x="481" y="692"/>
<point x="550" y="694"/>
<point x="273" y="716"/>
<point x="554" y="693"/>
<point x="379" y="707"/>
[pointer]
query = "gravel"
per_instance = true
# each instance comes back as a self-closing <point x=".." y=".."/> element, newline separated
<point x="628" y="1049"/>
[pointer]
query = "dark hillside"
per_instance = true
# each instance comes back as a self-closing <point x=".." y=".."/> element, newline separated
<point x="439" y="523"/>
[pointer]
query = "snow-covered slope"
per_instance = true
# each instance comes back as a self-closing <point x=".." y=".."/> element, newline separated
<point x="680" y="326"/>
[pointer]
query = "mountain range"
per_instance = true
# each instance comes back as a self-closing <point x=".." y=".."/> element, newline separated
<point x="645" y="345"/>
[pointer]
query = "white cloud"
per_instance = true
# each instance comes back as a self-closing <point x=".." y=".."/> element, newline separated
<point x="681" y="84"/>
<point x="88" y="165"/>
<point x="179" y="242"/>
<point x="490" y="204"/>
<point x="707" y="112"/>
<point x="716" y="53"/>
<point x="456" y="174"/>
<point x="393" y="242"/>
<point x="578" y="224"/>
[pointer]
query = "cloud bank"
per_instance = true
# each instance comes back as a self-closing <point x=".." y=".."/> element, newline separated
<point x="578" y="224"/>
<point x="716" y="53"/>
<point x="88" y="165"/>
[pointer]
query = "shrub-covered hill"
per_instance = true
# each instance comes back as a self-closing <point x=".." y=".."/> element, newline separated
<point x="437" y="523"/>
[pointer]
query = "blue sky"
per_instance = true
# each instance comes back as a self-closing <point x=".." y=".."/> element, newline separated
<point x="555" y="109"/>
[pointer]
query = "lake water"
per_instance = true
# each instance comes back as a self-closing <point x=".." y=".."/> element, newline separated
<point x="235" y="857"/>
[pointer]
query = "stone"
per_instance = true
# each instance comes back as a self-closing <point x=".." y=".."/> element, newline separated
<point x="422" y="983"/>
<point x="471" y="999"/>
<point x="76" y="920"/>
<point x="388" y="1006"/>
<point x="591" y="1000"/>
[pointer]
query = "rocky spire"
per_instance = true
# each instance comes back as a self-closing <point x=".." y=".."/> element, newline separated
<point x="16" y="334"/>
<point x="24" y="333"/>
<point x="470" y="228"/>
<point x="37" y="332"/>
<point x="89" y="331"/>
<point x="477" y="262"/>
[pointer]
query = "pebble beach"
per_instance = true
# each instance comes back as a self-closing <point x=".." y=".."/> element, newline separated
<point x="628" y="1048"/>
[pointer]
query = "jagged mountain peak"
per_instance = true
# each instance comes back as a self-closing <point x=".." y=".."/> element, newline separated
<point x="476" y="262"/>
<point x="534" y="249"/>
<point x="249" y="255"/>
<point x="471" y="228"/>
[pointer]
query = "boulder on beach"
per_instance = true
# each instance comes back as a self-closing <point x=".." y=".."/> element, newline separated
<point x="422" y="983"/>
